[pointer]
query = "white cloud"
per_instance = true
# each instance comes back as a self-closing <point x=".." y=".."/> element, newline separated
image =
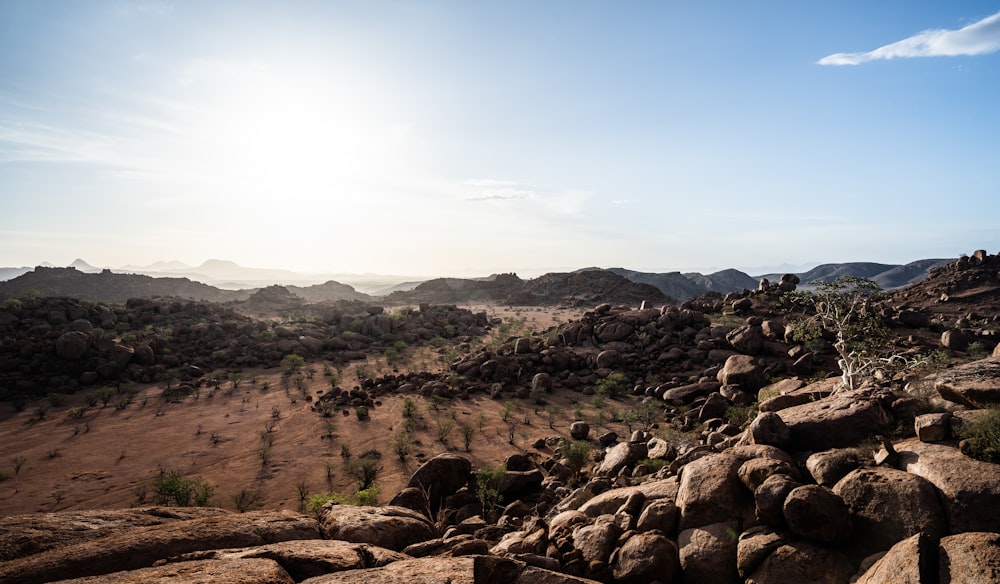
<point x="979" y="38"/>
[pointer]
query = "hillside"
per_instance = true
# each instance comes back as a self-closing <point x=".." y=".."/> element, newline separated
<point x="110" y="287"/>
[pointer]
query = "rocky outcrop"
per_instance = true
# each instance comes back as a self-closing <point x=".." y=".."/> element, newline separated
<point x="393" y="528"/>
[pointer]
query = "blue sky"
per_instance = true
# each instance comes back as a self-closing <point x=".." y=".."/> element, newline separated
<point x="464" y="138"/>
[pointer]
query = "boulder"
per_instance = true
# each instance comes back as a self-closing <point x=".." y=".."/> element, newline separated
<point x="308" y="557"/>
<point x="967" y="486"/>
<point x="389" y="527"/>
<point x="769" y="499"/>
<point x="954" y="340"/>
<point x="970" y="557"/>
<point x="711" y="492"/>
<point x="239" y="571"/>
<point x="803" y="562"/>
<point x="459" y="570"/>
<point x="708" y="553"/>
<point x="747" y="339"/>
<point x="932" y="427"/>
<point x="911" y="561"/>
<point x="744" y="371"/>
<point x="793" y="392"/>
<point x="829" y="466"/>
<point x="888" y="506"/>
<point x="73" y="345"/>
<point x="645" y="557"/>
<point x="441" y="476"/>
<point x="973" y="385"/>
<point x="755" y="471"/>
<point x="619" y="456"/>
<point x="660" y="515"/>
<point x="142" y="546"/>
<point x="768" y="428"/>
<point x="817" y="514"/>
<point x="843" y="419"/>
<point x="597" y="540"/>
<point x="579" y="430"/>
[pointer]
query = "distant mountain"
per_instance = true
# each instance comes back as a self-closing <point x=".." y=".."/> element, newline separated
<point x="84" y="266"/>
<point x="328" y="292"/>
<point x="673" y="284"/>
<point x="908" y="274"/>
<point x="11" y="273"/>
<point x="109" y="287"/>
<point x="156" y="267"/>
<point x="887" y="275"/>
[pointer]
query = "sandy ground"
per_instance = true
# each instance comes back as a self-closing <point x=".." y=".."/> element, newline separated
<point x="107" y="458"/>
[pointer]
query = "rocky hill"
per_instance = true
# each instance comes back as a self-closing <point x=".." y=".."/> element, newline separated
<point x="106" y="286"/>
<point x="717" y="448"/>
<point x="584" y="288"/>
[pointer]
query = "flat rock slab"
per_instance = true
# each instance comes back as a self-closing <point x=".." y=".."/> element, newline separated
<point x="390" y="527"/>
<point x="307" y="558"/>
<point x="141" y="547"/>
<point x="974" y="384"/>
<point x="462" y="570"/>
<point x="249" y="571"/>
<point x="23" y="535"/>
<point x="843" y="419"/>
<point x="970" y="488"/>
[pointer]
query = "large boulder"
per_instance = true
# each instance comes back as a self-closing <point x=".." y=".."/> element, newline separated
<point x="747" y="339"/>
<point x="768" y="428"/>
<point x="461" y="570"/>
<point x="645" y="557"/>
<point x="967" y="486"/>
<point x="970" y="557"/>
<point x="842" y="419"/>
<point x="973" y="385"/>
<point x="619" y="456"/>
<point x="817" y="514"/>
<point x="708" y="553"/>
<point x="803" y="562"/>
<point x="441" y="476"/>
<point x="888" y="506"/>
<point x="73" y="345"/>
<point x="597" y="540"/>
<point x="238" y="571"/>
<point x="140" y="547"/>
<point x="308" y="557"/>
<point x="964" y="557"/>
<point x="389" y="527"/>
<point x="742" y="370"/>
<point x="711" y="491"/>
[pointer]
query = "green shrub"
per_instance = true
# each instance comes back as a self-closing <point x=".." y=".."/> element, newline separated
<point x="576" y="453"/>
<point x="982" y="436"/>
<point x="613" y="385"/>
<point x="488" y="489"/>
<point x="367" y="497"/>
<point x="172" y="489"/>
<point x="361" y="412"/>
<point x="317" y="501"/>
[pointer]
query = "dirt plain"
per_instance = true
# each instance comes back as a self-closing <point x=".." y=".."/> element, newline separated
<point x="109" y="457"/>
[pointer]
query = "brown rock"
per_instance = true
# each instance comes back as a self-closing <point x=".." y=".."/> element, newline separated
<point x="441" y="477"/>
<point x="768" y="428"/>
<point x="967" y="486"/>
<point x="142" y="546"/>
<point x="803" y="562"/>
<point x="249" y="571"/>
<point x="660" y="515"/>
<point x="596" y="541"/>
<point x="755" y="471"/>
<point x="970" y="557"/>
<point x="710" y="491"/>
<point x="932" y="427"/>
<point x="973" y="384"/>
<point x="911" y="561"/>
<point x="817" y="514"/>
<point x="389" y="527"/>
<point x="754" y="546"/>
<point x="829" y="466"/>
<point x="843" y="419"/>
<point x="73" y="344"/>
<point x="708" y="553"/>
<point x="742" y="370"/>
<point x="645" y="557"/>
<point x="769" y="499"/>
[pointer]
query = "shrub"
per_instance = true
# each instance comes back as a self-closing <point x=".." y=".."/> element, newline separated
<point x="576" y="453"/>
<point x="245" y="499"/>
<point x="361" y="412"/>
<point x="468" y="432"/>
<point x="409" y="407"/>
<point x="445" y="428"/>
<point x="488" y="489"/>
<point x="317" y="501"/>
<point x="292" y="362"/>
<point x="613" y="385"/>
<point x="367" y="497"/>
<point x="982" y="436"/>
<point x="401" y="445"/>
<point x="363" y="469"/>
<point x="171" y="488"/>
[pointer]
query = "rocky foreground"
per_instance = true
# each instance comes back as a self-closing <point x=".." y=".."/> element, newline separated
<point x="872" y="485"/>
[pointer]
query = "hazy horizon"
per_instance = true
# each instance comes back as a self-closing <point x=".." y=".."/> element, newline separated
<point x="446" y="138"/>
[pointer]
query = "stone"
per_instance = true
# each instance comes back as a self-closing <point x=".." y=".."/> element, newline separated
<point x="140" y="547"/>
<point x="579" y="430"/>
<point x="932" y="427"/>
<point x="755" y="545"/>
<point x="888" y="505"/>
<point x="967" y="486"/>
<point x="240" y="571"/>
<point x="474" y="569"/>
<point x="803" y="562"/>
<point x="645" y="557"/>
<point x="816" y="514"/>
<point x="769" y="499"/>
<point x="829" y="466"/>
<point x="708" y="553"/>
<point x="747" y="339"/>
<point x="973" y="385"/>
<point x="73" y="345"/>
<point x="742" y="370"/>
<point x="393" y="528"/>
<point x="768" y="428"/>
<point x="711" y="492"/>
<point x="911" y="561"/>
<point x="660" y="515"/>
<point x="970" y="557"/>
<point x="622" y="455"/>
<point x="306" y="558"/>
<point x="755" y="471"/>
<point x="846" y="418"/>
<point x="441" y="476"/>
<point x="954" y="340"/>
<point x="598" y="540"/>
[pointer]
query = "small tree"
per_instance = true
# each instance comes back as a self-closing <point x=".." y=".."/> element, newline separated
<point x="488" y="489"/>
<point x="363" y="469"/>
<point x="845" y="310"/>
<point x="468" y="432"/>
<point x="576" y="453"/>
<point x="401" y="445"/>
<point x="18" y="462"/>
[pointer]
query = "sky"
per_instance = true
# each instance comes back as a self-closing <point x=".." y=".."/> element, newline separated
<point x="466" y="138"/>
